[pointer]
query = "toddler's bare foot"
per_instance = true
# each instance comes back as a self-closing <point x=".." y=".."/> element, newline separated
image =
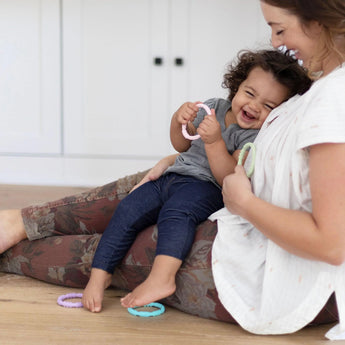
<point x="94" y="292"/>
<point x="12" y="229"/>
<point x="149" y="291"/>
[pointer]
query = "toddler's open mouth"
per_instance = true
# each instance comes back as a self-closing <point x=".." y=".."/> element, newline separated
<point x="247" y="115"/>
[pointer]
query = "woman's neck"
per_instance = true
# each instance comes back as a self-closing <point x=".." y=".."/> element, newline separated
<point x="330" y="64"/>
<point x="334" y="59"/>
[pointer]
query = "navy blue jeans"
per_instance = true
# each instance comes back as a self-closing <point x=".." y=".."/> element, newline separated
<point x="176" y="203"/>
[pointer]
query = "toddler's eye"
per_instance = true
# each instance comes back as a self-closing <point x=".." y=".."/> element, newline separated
<point x="269" y="107"/>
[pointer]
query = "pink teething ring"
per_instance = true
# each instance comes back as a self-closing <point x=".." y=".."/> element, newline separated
<point x="184" y="127"/>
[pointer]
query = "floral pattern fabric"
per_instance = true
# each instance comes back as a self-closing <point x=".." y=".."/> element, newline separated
<point x="64" y="235"/>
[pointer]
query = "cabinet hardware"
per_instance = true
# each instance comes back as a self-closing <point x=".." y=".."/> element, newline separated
<point x="178" y="61"/>
<point x="158" y="61"/>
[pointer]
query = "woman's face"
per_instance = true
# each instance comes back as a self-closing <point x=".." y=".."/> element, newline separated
<point x="288" y="31"/>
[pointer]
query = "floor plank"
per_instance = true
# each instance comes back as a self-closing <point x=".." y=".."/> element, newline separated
<point x="30" y="315"/>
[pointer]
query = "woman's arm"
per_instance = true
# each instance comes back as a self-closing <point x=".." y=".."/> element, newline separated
<point x="319" y="235"/>
<point x="157" y="170"/>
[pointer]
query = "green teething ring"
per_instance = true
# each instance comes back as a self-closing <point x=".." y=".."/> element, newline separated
<point x="240" y="158"/>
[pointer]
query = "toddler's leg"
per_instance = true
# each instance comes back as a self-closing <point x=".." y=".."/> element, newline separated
<point x="137" y="211"/>
<point x="159" y="284"/>
<point x="188" y="202"/>
<point x="94" y="292"/>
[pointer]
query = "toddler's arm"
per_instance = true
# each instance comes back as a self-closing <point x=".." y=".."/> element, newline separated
<point x="183" y="116"/>
<point x="222" y="163"/>
<point x="158" y="170"/>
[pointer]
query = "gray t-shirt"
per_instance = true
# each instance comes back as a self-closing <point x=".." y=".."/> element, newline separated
<point x="194" y="161"/>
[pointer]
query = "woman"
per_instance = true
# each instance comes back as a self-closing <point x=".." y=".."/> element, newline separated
<point x="292" y="224"/>
<point x="298" y="150"/>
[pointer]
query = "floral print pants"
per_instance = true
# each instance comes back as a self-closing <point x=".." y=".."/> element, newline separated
<point x="63" y="236"/>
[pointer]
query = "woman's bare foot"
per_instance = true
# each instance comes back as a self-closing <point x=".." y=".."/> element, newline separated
<point x="12" y="229"/>
<point x="94" y="292"/>
<point x="159" y="284"/>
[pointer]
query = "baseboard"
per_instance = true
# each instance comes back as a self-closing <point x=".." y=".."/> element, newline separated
<point x="68" y="171"/>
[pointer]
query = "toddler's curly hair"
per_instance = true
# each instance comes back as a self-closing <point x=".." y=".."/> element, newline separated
<point x="284" y="67"/>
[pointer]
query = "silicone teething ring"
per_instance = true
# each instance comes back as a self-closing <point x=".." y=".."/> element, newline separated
<point x="61" y="300"/>
<point x="240" y="158"/>
<point x="184" y="127"/>
<point x="160" y="310"/>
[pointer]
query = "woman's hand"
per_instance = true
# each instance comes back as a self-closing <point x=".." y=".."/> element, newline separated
<point x="237" y="191"/>
<point x="157" y="171"/>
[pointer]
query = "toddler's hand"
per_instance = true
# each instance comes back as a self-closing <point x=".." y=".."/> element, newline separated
<point x="157" y="171"/>
<point x="209" y="129"/>
<point x="187" y="112"/>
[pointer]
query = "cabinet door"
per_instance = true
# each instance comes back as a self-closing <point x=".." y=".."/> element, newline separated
<point x="30" y="110"/>
<point x="117" y="102"/>
<point x="208" y="35"/>
<point x="110" y="77"/>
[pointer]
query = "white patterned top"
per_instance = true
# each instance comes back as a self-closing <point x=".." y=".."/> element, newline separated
<point x="265" y="288"/>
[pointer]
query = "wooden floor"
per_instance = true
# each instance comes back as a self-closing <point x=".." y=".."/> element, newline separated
<point x="29" y="313"/>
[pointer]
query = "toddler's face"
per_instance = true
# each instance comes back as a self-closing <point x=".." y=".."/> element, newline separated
<point x="256" y="97"/>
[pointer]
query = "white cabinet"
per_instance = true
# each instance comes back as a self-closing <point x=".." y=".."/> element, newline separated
<point x="88" y="87"/>
<point x="30" y="107"/>
<point x="113" y="103"/>
<point x="129" y="64"/>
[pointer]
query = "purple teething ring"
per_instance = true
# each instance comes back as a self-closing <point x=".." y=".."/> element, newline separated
<point x="61" y="300"/>
<point x="184" y="127"/>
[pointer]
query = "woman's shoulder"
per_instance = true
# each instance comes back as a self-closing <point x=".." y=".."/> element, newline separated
<point x="322" y="119"/>
<point x="326" y="92"/>
<point x="333" y="81"/>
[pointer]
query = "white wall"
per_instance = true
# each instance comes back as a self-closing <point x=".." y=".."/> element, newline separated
<point x="57" y="65"/>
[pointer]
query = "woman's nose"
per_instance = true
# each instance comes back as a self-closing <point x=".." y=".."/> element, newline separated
<point x="275" y="41"/>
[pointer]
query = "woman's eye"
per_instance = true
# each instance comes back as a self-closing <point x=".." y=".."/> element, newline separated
<point x="249" y="93"/>
<point x="279" y="32"/>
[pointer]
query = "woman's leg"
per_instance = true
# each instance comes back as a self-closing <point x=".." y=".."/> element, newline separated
<point x="66" y="260"/>
<point x="85" y="213"/>
<point x="12" y="229"/>
<point x="187" y="203"/>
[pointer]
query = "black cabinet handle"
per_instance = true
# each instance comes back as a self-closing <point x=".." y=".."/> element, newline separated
<point x="179" y="61"/>
<point x="158" y="61"/>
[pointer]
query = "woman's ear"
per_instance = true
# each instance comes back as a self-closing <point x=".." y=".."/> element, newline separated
<point x="315" y="28"/>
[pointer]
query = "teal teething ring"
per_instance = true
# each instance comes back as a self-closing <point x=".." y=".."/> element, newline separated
<point x="240" y="158"/>
<point x="160" y="310"/>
